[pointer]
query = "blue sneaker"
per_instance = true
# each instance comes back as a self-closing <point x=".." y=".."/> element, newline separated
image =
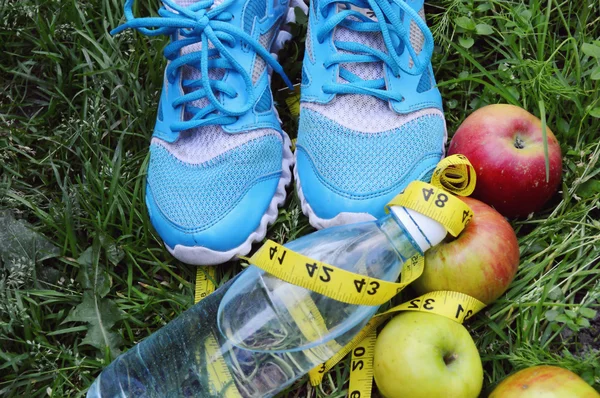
<point x="371" y="118"/>
<point x="219" y="160"/>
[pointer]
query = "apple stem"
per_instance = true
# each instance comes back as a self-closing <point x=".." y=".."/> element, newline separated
<point x="449" y="358"/>
<point x="519" y="143"/>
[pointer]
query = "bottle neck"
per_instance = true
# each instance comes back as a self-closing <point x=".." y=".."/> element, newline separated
<point x="397" y="235"/>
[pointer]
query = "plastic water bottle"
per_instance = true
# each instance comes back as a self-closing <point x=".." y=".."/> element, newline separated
<point x="245" y="331"/>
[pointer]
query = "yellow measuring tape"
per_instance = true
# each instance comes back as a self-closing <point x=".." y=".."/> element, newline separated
<point x="293" y="101"/>
<point x="456" y="174"/>
<point x="219" y="377"/>
<point x="331" y="281"/>
<point x="205" y="282"/>
<point x="453" y="175"/>
<point x="361" y="367"/>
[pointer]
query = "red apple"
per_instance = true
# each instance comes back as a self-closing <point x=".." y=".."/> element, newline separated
<point x="481" y="261"/>
<point x="506" y="146"/>
<point x="544" y="381"/>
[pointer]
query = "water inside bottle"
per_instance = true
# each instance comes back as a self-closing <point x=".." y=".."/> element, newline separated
<point x="245" y="335"/>
<point x="179" y="361"/>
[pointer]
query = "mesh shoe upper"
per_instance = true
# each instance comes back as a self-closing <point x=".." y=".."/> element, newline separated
<point x="359" y="164"/>
<point x="368" y="123"/>
<point x="194" y="196"/>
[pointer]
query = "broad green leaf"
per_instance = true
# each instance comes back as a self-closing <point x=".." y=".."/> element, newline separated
<point x="563" y="126"/>
<point x="20" y="246"/>
<point x="591" y="50"/>
<point x="114" y="254"/>
<point x="587" y="312"/>
<point x="562" y="318"/>
<point x="583" y="322"/>
<point x="92" y="275"/>
<point x="465" y="23"/>
<point x="100" y="314"/>
<point x="520" y="32"/>
<point x="48" y="275"/>
<point x="453" y="103"/>
<point x="466" y="42"/>
<point x="571" y="314"/>
<point x="301" y="17"/>
<point x="514" y="91"/>
<point x="595" y="74"/>
<point x="526" y="14"/>
<point x="589" y="189"/>
<point x="484" y="29"/>
<point x="484" y="7"/>
<point x="588" y="376"/>
<point x="551" y="315"/>
<point x="573" y="326"/>
<point x="555" y="293"/>
<point x="595" y="112"/>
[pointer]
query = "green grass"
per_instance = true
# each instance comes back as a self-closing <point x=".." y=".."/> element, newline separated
<point x="77" y="108"/>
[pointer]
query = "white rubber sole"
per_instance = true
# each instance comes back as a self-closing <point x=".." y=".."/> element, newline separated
<point x="199" y="255"/>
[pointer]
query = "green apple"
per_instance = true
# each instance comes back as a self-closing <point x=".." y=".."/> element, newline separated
<point x="544" y="382"/>
<point x="421" y="355"/>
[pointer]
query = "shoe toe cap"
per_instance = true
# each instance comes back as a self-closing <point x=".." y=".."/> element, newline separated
<point x="218" y="204"/>
<point x="344" y="171"/>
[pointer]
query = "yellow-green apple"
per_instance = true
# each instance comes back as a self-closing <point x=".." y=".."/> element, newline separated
<point x="481" y="261"/>
<point x="505" y="144"/>
<point x="423" y="355"/>
<point x="544" y="382"/>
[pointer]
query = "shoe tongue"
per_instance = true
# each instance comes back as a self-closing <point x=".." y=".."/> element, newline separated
<point x="364" y="70"/>
<point x="367" y="12"/>
<point x="373" y="70"/>
<point x="190" y="72"/>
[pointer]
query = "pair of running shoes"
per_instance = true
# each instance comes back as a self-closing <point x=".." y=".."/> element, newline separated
<point x="371" y="117"/>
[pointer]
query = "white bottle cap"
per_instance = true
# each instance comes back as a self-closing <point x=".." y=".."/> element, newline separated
<point x="425" y="231"/>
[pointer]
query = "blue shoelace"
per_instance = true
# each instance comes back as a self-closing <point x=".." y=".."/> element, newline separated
<point x="199" y="23"/>
<point x="395" y="37"/>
